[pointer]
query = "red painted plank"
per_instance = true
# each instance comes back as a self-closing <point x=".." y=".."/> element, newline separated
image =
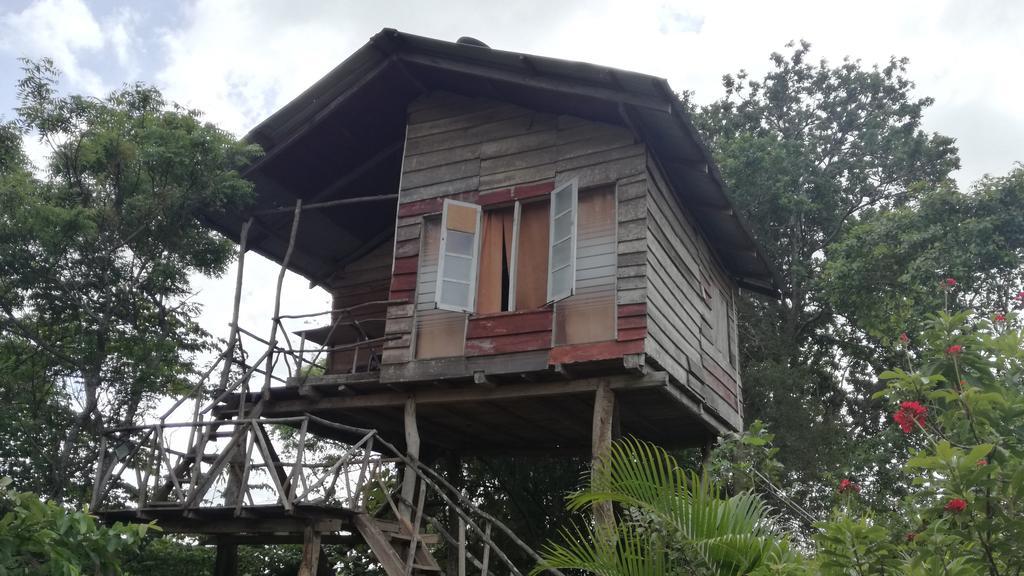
<point x="626" y="310"/>
<point x="594" y="351"/>
<point x="509" y="323"/>
<point x="533" y="190"/>
<point x="406" y="265"/>
<point x="433" y="205"/>
<point x="496" y="197"/>
<point x="632" y="334"/>
<point x="508" y="344"/>
<point x="402" y="295"/>
<point x="403" y="282"/>
<point x="630" y="322"/>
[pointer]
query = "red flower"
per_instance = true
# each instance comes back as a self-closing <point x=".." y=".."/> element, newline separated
<point x="1000" y="318"/>
<point x="954" y="350"/>
<point x="904" y="338"/>
<point x="910" y="536"/>
<point x="908" y="414"/>
<point x="950" y="282"/>
<point x="1019" y="296"/>
<point x="846" y="486"/>
<point x="956" y="505"/>
<point x="982" y="462"/>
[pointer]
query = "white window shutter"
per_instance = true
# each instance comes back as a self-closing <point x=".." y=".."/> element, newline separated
<point x="459" y="257"/>
<point x="562" y="254"/>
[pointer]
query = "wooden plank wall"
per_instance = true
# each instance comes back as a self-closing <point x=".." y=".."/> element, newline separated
<point x="680" y="264"/>
<point x="367" y="279"/>
<point x="490" y="152"/>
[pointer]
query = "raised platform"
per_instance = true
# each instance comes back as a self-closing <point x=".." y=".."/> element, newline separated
<point x="536" y="413"/>
<point x="255" y="520"/>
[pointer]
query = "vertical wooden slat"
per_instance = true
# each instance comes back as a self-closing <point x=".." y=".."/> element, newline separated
<point x="603" y="427"/>
<point x="462" y="547"/>
<point x="310" y="552"/>
<point x="412" y="447"/>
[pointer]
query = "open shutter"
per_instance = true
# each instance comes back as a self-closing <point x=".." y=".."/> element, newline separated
<point x="562" y="256"/>
<point x="459" y="256"/>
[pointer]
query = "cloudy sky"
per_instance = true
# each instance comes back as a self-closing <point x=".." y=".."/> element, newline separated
<point x="239" y="60"/>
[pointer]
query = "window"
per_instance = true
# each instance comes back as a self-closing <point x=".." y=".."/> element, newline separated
<point x="439" y="333"/>
<point x="588" y="314"/>
<point x="562" y="256"/>
<point x="722" y="318"/>
<point x="456" y="276"/>
<point x="513" y="258"/>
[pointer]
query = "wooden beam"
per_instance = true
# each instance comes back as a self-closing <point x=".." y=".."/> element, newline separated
<point x="277" y="539"/>
<point x="226" y="563"/>
<point x="542" y="82"/>
<point x="412" y="449"/>
<point x="624" y="382"/>
<point x="379" y="545"/>
<point x="311" y="123"/>
<point x="310" y="552"/>
<point x="330" y="203"/>
<point x="603" y="435"/>
<point x="353" y="174"/>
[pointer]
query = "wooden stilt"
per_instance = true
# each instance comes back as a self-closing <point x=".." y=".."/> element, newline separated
<point x="462" y="547"/>
<point x="603" y="435"/>
<point x="412" y="448"/>
<point x="227" y="560"/>
<point x="310" y="552"/>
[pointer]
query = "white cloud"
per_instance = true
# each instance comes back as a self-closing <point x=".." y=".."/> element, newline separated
<point x="61" y="30"/>
<point x="121" y="34"/>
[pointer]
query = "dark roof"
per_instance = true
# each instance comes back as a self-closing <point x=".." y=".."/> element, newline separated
<point x="343" y="137"/>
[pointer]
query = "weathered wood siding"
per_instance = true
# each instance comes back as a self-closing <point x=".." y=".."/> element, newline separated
<point x="489" y="153"/>
<point x="367" y="279"/>
<point x="680" y="266"/>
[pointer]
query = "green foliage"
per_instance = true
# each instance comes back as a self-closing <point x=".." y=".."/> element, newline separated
<point x="96" y="253"/>
<point x="963" y="514"/>
<point x="40" y="537"/>
<point x="673" y="521"/>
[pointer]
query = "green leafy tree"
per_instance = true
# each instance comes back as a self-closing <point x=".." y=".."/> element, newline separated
<point x="806" y="151"/>
<point x="96" y="252"/>
<point x="39" y="537"/>
<point x="961" y="413"/>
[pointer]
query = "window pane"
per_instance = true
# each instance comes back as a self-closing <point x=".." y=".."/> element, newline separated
<point x="459" y="243"/>
<point x="563" y="200"/>
<point x="561" y="280"/>
<point x="563" y="226"/>
<point x="561" y="253"/>
<point x="458" y="268"/>
<point x="454" y="293"/>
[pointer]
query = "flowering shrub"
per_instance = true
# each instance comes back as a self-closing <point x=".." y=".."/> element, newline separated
<point x="962" y="415"/>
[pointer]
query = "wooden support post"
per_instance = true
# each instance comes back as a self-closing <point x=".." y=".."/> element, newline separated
<point x="603" y="435"/>
<point x="462" y="547"/>
<point x="310" y="552"/>
<point x="705" y="453"/>
<point x="412" y="449"/>
<point x="227" y="560"/>
<point x="453" y="471"/>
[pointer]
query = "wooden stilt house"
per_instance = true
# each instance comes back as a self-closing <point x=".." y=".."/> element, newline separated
<point x="526" y="255"/>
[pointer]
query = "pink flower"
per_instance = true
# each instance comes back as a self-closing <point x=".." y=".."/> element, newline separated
<point x="845" y="485"/>
<point x="911" y="536"/>
<point x="950" y="282"/>
<point x="1000" y="318"/>
<point x="954" y="350"/>
<point x="1019" y="296"/>
<point x="982" y="462"/>
<point x="904" y="338"/>
<point x="956" y="505"/>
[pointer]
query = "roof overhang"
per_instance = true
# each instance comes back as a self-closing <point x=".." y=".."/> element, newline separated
<point x="343" y="137"/>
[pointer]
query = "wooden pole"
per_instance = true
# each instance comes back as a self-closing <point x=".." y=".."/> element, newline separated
<point x="462" y="547"/>
<point x="603" y="435"/>
<point x="310" y="552"/>
<point x="277" y="297"/>
<point x="227" y="560"/>
<point x="412" y="449"/>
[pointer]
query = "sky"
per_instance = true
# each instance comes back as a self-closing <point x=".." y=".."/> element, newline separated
<point x="240" y="60"/>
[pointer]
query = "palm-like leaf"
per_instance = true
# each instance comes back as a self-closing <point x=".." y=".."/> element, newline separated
<point x="728" y="535"/>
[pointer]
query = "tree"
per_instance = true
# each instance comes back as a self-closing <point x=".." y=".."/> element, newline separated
<point x="672" y="520"/>
<point x="960" y="413"/>
<point x="806" y="152"/>
<point x="95" y="254"/>
<point x="39" y="537"/>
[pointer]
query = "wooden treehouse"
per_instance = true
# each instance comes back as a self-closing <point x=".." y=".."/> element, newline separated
<point x="526" y="255"/>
